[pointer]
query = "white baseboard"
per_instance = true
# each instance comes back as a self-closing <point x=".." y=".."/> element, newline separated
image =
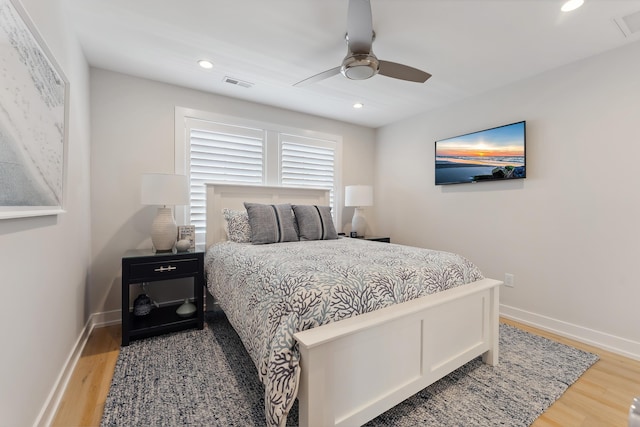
<point x="107" y="318"/>
<point x="48" y="412"/>
<point x="612" y="343"/>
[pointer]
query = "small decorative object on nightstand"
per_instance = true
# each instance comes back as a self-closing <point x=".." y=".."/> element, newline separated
<point x="142" y="305"/>
<point x="183" y="245"/>
<point x="186" y="309"/>
<point x="145" y="265"/>
<point x="187" y="232"/>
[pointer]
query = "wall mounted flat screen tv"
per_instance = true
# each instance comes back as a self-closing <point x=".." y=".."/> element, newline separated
<point x="494" y="154"/>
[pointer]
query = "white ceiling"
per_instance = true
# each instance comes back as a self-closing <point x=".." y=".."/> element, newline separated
<point x="469" y="46"/>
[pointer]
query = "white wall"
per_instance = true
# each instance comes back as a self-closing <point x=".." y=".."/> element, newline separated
<point x="569" y="231"/>
<point x="132" y="130"/>
<point x="44" y="261"/>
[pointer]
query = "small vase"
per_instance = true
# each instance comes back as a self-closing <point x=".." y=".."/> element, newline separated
<point x="183" y="245"/>
<point x="186" y="309"/>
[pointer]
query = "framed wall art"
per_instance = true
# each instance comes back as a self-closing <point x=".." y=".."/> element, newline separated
<point x="34" y="103"/>
<point x="187" y="232"/>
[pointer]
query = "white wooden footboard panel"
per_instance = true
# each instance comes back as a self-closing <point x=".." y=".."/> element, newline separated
<point x="356" y="369"/>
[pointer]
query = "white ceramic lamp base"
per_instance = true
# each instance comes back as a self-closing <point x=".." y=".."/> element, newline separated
<point x="164" y="230"/>
<point x="358" y="223"/>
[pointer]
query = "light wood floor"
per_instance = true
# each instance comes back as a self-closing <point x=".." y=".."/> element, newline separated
<point x="601" y="396"/>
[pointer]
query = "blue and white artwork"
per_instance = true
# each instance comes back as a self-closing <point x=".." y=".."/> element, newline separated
<point x="33" y="96"/>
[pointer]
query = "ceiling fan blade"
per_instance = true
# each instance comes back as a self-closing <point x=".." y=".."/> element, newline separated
<point x="402" y="72"/>
<point x="359" y="26"/>
<point x="320" y="76"/>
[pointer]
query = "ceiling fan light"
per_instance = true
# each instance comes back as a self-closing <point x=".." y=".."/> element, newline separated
<point x="359" y="67"/>
<point x="359" y="72"/>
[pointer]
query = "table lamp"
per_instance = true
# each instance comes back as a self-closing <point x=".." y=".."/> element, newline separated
<point x="166" y="190"/>
<point x="358" y="196"/>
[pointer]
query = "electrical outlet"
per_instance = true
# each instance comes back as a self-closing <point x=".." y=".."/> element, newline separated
<point x="509" y="280"/>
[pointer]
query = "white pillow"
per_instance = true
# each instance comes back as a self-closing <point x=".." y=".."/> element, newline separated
<point x="236" y="225"/>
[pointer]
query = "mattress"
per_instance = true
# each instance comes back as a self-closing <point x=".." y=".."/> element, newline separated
<point x="270" y="292"/>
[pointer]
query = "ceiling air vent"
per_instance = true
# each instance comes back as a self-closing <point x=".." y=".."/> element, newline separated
<point x="629" y="24"/>
<point x="236" y="82"/>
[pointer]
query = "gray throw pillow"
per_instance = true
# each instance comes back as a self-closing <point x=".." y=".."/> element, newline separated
<point x="315" y="222"/>
<point x="271" y="223"/>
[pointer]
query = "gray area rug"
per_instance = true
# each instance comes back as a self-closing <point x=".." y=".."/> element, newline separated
<point x="206" y="378"/>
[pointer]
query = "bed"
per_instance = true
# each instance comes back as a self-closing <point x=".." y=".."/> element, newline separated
<point x="345" y="372"/>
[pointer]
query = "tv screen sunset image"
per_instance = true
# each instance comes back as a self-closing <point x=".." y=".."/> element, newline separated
<point x="492" y="154"/>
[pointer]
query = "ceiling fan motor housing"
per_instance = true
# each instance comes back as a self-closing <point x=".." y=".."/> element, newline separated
<point x="360" y="66"/>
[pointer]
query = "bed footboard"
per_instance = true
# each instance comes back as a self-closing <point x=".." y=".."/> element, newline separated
<point x="358" y="368"/>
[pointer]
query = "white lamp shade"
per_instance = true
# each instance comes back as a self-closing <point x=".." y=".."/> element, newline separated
<point x="358" y="195"/>
<point x="164" y="189"/>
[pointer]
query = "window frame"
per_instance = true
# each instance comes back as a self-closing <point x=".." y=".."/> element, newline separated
<point x="272" y="153"/>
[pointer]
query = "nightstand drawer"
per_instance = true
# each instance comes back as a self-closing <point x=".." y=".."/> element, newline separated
<point x="158" y="270"/>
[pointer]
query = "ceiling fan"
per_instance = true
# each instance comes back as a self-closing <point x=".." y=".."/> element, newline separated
<point x="360" y="62"/>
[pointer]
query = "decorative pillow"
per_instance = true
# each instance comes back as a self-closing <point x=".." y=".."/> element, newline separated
<point x="237" y="225"/>
<point x="271" y="223"/>
<point x="315" y="222"/>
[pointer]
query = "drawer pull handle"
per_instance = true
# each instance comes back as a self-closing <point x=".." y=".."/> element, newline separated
<point x="163" y="269"/>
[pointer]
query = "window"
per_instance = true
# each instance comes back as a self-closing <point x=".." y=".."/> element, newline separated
<point x="307" y="162"/>
<point x="220" y="153"/>
<point x="214" y="148"/>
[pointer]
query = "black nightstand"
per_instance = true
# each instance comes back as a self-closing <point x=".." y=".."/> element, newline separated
<point x="144" y="265"/>
<point x="378" y="239"/>
<point x="372" y="238"/>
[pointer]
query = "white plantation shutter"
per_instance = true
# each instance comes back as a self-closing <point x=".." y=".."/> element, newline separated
<point x="215" y="148"/>
<point x="221" y="153"/>
<point x="307" y="162"/>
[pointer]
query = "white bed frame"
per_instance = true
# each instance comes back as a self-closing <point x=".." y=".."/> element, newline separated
<point x="358" y="368"/>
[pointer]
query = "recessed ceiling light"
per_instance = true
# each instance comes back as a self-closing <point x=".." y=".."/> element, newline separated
<point x="358" y="105"/>
<point x="205" y="64"/>
<point x="570" y="5"/>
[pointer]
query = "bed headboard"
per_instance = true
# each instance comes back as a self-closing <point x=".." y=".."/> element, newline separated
<point x="233" y="196"/>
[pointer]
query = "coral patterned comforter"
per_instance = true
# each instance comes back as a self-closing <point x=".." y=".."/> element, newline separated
<point x="270" y="292"/>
